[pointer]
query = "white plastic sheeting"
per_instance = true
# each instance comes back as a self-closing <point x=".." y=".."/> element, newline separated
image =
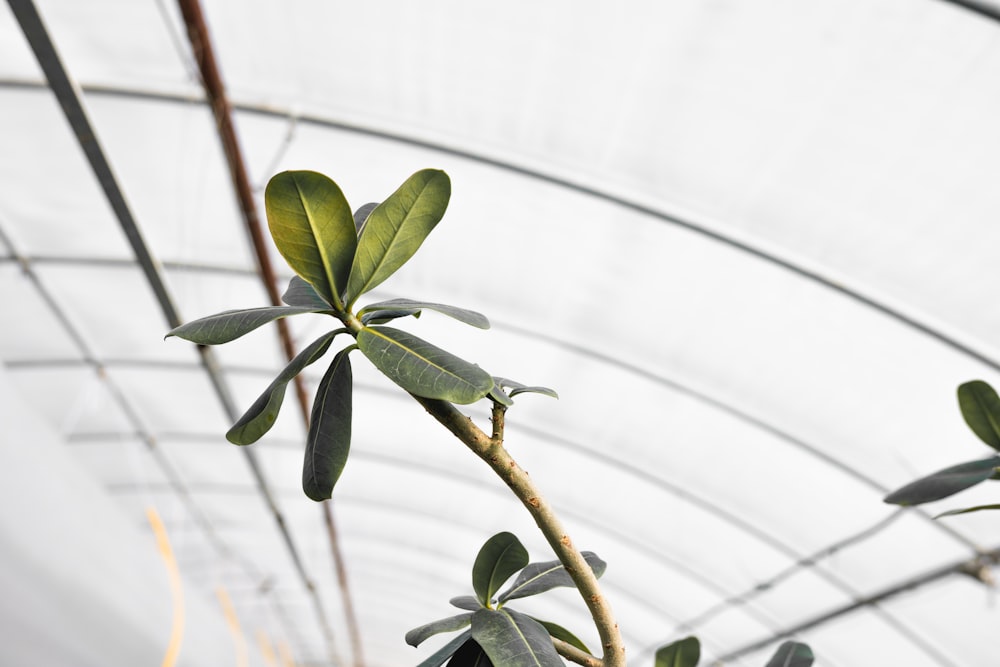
<point x="752" y="245"/>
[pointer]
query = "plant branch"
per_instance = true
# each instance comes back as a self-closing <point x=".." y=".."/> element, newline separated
<point x="573" y="654"/>
<point x="491" y="450"/>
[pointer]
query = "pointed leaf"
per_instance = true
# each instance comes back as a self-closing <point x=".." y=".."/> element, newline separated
<point x="383" y="316"/>
<point x="500" y="396"/>
<point x="945" y="482"/>
<point x="682" y="653"/>
<point x="422" y="369"/>
<point x="313" y="227"/>
<point x="231" y="324"/>
<point x="518" y="388"/>
<point x="559" y="632"/>
<point x="511" y="639"/>
<point x="416" y="636"/>
<point x="300" y="293"/>
<point x="500" y="557"/>
<point x="468" y="602"/>
<point x="980" y="407"/>
<point x="260" y="417"/>
<point x="396" y="228"/>
<point x="361" y="215"/>
<point x="471" y="654"/>
<point x="469" y="317"/>
<point x="792" y="654"/>
<point x="540" y="577"/>
<point x="446" y="651"/>
<point x="329" y="439"/>
<point x="968" y="510"/>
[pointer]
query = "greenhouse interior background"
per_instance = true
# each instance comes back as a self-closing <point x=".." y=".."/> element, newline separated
<point x="751" y="244"/>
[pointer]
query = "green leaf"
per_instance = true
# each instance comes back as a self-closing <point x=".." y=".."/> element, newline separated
<point x="383" y="316"/>
<point x="518" y="388"/>
<point x="944" y="483"/>
<point x="313" y="227"/>
<point x="559" y="632"/>
<point x="416" y="636"/>
<point x="500" y="396"/>
<point x="260" y="417"/>
<point x="792" y="654"/>
<point x="469" y="317"/>
<point x="499" y="558"/>
<point x="446" y="651"/>
<point x="300" y="293"/>
<point x="471" y="654"/>
<point x="361" y="215"/>
<point x="329" y="439"/>
<point x="421" y="368"/>
<point x="540" y="577"/>
<point x="468" y="602"/>
<point x="682" y="653"/>
<point x="231" y="324"/>
<point x="980" y="407"/>
<point x="396" y="228"/>
<point x="968" y="510"/>
<point x="511" y="639"/>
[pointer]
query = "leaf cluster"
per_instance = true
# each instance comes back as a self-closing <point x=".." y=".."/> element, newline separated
<point x="338" y="256"/>
<point x="980" y="408"/>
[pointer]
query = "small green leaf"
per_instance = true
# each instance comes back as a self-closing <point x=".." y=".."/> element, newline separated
<point x="792" y="654"/>
<point x="416" y="636"/>
<point x="980" y="407"/>
<point x="313" y="228"/>
<point x="944" y="483"/>
<point x="499" y="558"/>
<point x="396" y="229"/>
<point x="421" y="368"/>
<point x="682" y="653"/>
<point x="469" y="317"/>
<point x="511" y="639"/>
<point x="468" y="602"/>
<point x="328" y="441"/>
<point x="260" y="417"/>
<point x="500" y="396"/>
<point x="968" y="510"/>
<point x="471" y="654"/>
<point x="300" y="293"/>
<point x="518" y="388"/>
<point x="231" y="324"/>
<point x="446" y="651"/>
<point x="361" y="215"/>
<point x="540" y="577"/>
<point x="559" y="632"/>
<point x="383" y="316"/>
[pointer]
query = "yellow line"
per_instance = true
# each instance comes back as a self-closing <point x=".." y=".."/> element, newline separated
<point x="239" y="641"/>
<point x="266" y="649"/>
<point x="286" y="655"/>
<point x="176" y="590"/>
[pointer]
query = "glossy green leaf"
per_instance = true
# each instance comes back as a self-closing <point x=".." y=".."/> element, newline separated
<point x="499" y="558"/>
<point x="396" y="229"/>
<point x="260" y="417"/>
<point x="470" y="654"/>
<point x="231" y="324"/>
<point x="313" y="228"/>
<point x="468" y="602"/>
<point x="792" y="654"/>
<point x="328" y="441"/>
<point x="383" y="316"/>
<point x="512" y="639"/>
<point x="302" y="294"/>
<point x="968" y="510"/>
<point x="681" y="653"/>
<point x="540" y="577"/>
<point x="559" y="632"/>
<point x="980" y="407"/>
<point x="469" y="317"/>
<point x="416" y="636"/>
<point x="446" y="651"/>
<point x="421" y="368"/>
<point x="361" y="215"/>
<point x="945" y="482"/>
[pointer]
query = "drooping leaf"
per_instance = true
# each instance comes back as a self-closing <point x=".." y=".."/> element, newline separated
<point x="500" y="396"/>
<point x="446" y="651"/>
<point x="416" y="636"/>
<point x="980" y="407"/>
<point x="313" y="228"/>
<point x="968" y="510"/>
<point x="383" y="316"/>
<point x="361" y="215"/>
<point x="792" y="654"/>
<point x="468" y="602"/>
<point x="540" y="577"/>
<point x="231" y="324"/>
<point x="681" y="653"/>
<point x="499" y="558"/>
<point x="421" y="368"/>
<point x="260" y="417"/>
<point x="512" y="639"/>
<point x="328" y="441"/>
<point x="945" y="482"/>
<point x="302" y="294"/>
<point x="396" y="229"/>
<point x="559" y="632"/>
<point x="470" y="654"/>
<point x="469" y="317"/>
<point x="518" y="388"/>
